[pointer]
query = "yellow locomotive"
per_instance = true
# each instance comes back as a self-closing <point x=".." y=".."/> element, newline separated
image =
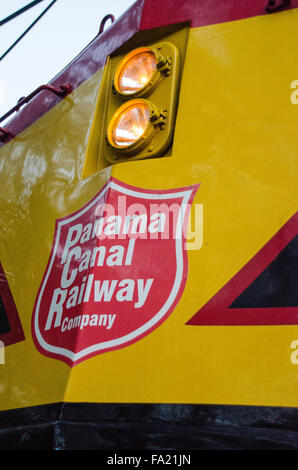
<point x="149" y="237"/>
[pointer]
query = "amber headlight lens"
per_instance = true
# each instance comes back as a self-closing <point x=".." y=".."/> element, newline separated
<point x="130" y="127"/>
<point x="137" y="72"/>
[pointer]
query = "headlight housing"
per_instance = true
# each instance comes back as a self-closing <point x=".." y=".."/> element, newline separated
<point x="139" y="72"/>
<point x="136" y="106"/>
<point x="132" y="126"/>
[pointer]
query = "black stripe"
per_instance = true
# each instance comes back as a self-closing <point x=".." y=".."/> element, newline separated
<point x="277" y="285"/>
<point x="91" y="426"/>
<point x="4" y="323"/>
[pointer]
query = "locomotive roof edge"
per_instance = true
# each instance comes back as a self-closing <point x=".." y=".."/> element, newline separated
<point x="140" y="16"/>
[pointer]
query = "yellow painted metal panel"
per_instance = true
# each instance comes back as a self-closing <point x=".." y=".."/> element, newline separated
<point x="40" y="182"/>
<point x="236" y="134"/>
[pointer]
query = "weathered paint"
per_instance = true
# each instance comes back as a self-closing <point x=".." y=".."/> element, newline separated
<point x="139" y="17"/>
<point x="236" y="134"/>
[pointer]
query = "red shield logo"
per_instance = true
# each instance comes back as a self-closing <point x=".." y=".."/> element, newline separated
<point x="117" y="270"/>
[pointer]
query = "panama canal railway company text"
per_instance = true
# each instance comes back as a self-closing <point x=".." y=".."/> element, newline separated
<point x="77" y="260"/>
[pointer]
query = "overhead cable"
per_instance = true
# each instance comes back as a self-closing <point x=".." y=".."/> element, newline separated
<point x="27" y="30"/>
<point x="19" y="12"/>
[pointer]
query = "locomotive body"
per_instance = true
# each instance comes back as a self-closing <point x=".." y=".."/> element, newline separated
<point x="185" y="337"/>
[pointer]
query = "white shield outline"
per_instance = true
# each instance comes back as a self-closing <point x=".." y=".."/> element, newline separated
<point x="72" y="358"/>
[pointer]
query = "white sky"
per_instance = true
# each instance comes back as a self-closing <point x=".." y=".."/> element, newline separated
<point x="53" y="42"/>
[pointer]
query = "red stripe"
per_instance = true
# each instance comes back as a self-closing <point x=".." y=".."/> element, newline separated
<point x="217" y="312"/>
<point x="248" y="317"/>
<point x="157" y="13"/>
<point x="16" y="334"/>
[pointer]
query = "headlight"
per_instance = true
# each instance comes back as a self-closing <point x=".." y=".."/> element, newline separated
<point x="137" y="72"/>
<point x="130" y="128"/>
